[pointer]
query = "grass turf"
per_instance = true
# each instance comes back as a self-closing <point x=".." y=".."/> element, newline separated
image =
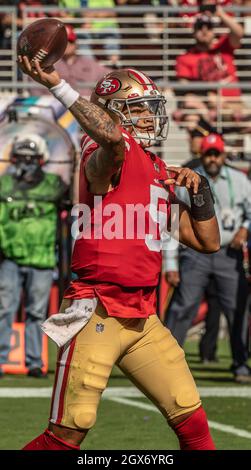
<point x="121" y="426"/>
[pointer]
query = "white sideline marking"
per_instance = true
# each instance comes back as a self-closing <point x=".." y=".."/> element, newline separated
<point x="229" y="429"/>
<point x="212" y="424"/>
<point x="121" y="395"/>
<point x="133" y="392"/>
<point x="22" y="392"/>
<point x="228" y="392"/>
<point x="125" y="392"/>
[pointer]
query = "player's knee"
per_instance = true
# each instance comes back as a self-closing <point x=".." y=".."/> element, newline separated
<point x="187" y="398"/>
<point x="93" y="382"/>
<point x="174" y="422"/>
<point x="84" y="418"/>
<point x="186" y="401"/>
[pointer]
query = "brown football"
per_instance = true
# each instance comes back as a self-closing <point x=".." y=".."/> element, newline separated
<point x="44" y="40"/>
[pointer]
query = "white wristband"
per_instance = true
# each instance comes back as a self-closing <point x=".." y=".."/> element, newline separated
<point x="65" y="93"/>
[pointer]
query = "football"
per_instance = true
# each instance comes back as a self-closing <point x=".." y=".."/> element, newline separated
<point x="44" y="40"/>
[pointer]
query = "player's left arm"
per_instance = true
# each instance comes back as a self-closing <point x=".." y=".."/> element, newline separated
<point x="201" y="235"/>
<point x="198" y="226"/>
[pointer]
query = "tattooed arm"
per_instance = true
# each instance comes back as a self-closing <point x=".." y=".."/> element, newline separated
<point x="106" y="161"/>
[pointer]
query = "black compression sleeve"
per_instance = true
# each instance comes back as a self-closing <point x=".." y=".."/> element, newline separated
<point x="202" y="203"/>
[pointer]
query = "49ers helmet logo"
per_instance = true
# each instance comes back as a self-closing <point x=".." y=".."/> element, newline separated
<point x="108" y="86"/>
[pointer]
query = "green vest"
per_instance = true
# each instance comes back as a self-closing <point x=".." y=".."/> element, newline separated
<point x="99" y="24"/>
<point x="69" y="3"/>
<point x="28" y="220"/>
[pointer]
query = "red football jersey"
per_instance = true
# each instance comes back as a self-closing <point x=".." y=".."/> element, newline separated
<point x="119" y="259"/>
<point x="120" y="249"/>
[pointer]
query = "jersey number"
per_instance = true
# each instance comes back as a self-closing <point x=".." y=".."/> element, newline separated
<point x="157" y="216"/>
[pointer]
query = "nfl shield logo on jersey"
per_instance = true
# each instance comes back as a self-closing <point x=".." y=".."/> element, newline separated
<point x="100" y="327"/>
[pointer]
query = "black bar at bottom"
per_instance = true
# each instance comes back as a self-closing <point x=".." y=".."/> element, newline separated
<point x="112" y="459"/>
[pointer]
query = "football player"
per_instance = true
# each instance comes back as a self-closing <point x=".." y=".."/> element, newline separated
<point x="125" y="115"/>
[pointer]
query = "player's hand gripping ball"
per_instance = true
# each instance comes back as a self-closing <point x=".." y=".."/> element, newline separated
<point x="44" y="40"/>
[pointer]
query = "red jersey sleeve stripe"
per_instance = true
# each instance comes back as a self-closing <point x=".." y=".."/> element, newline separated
<point x="87" y="146"/>
<point x="85" y="136"/>
<point x="127" y="145"/>
<point x="125" y="136"/>
<point x="86" y="139"/>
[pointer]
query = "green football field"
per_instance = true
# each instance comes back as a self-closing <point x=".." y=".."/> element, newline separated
<point x="127" y="420"/>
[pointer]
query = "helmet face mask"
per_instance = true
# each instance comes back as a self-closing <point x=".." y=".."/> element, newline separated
<point x="132" y="99"/>
<point x="149" y="109"/>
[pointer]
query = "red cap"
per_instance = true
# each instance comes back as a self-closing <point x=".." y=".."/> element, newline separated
<point x="212" y="141"/>
<point x="71" y="35"/>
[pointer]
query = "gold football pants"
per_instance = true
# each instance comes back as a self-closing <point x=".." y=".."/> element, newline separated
<point x="143" y="349"/>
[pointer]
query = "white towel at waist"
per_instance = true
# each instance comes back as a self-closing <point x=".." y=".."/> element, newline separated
<point x="61" y="327"/>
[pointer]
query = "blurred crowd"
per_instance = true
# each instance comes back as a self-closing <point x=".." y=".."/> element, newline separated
<point x="210" y="35"/>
